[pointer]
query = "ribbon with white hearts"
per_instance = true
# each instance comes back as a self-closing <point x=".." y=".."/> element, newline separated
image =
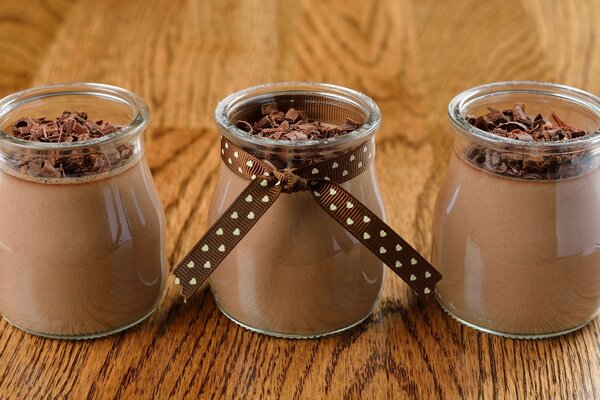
<point x="322" y="179"/>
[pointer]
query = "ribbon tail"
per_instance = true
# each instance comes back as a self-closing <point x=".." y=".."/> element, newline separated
<point x="225" y="234"/>
<point x="378" y="237"/>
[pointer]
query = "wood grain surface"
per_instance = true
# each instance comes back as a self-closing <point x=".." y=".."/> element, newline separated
<point x="411" y="56"/>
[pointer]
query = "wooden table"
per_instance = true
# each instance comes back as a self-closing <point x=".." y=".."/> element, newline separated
<point x="411" y="56"/>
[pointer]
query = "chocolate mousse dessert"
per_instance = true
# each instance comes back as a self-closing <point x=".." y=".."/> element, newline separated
<point x="81" y="241"/>
<point x="297" y="273"/>
<point x="517" y="228"/>
<point x="515" y="124"/>
<point x="293" y="125"/>
<point x="70" y="127"/>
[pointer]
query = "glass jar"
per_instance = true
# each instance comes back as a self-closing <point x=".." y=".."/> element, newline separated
<point x="298" y="273"/>
<point x="520" y="252"/>
<point x="81" y="253"/>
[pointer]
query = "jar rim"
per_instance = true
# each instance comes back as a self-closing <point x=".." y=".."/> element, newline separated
<point x="354" y="97"/>
<point x="574" y="95"/>
<point x="110" y="92"/>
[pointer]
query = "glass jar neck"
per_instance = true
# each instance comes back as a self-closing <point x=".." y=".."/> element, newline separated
<point x="532" y="160"/>
<point x="60" y="162"/>
<point x="579" y="108"/>
<point x="325" y="103"/>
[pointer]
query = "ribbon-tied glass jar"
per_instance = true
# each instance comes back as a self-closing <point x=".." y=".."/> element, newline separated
<point x="298" y="229"/>
<point x="517" y="223"/>
<point x="81" y="225"/>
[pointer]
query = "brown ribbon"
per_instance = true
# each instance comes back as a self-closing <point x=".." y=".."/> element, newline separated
<point x="323" y="180"/>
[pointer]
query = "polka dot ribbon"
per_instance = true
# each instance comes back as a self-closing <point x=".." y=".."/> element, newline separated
<point x="322" y="180"/>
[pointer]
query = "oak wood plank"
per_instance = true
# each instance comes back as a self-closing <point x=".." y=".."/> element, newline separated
<point x="411" y="56"/>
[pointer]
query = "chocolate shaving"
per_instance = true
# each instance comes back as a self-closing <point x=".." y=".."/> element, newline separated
<point x="292" y="115"/>
<point x="268" y="108"/>
<point x="495" y="117"/>
<point x="293" y="125"/>
<point x="49" y="171"/>
<point x="70" y="127"/>
<point x="245" y="126"/>
<point x="515" y="124"/>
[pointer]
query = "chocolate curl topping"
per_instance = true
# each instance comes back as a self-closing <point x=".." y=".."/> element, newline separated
<point x="70" y="127"/>
<point x="323" y="180"/>
<point x="516" y="124"/>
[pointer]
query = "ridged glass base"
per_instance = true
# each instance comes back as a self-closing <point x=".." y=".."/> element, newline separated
<point x="512" y="335"/>
<point x="86" y="336"/>
<point x="295" y="336"/>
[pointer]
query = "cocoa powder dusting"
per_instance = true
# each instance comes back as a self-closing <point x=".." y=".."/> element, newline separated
<point x="515" y="124"/>
<point x="70" y="127"/>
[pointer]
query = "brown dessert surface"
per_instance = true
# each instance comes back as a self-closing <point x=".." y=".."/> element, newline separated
<point x="516" y="124"/>
<point x="70" y="127"/>
<point x="293" y="125"/>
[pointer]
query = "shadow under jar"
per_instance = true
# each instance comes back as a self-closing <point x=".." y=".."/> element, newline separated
<point x="520" y="253"/>
<point x="82" y="253"/>
<point x="298" y="273"/>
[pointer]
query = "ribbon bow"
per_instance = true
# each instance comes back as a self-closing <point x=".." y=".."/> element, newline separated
<point x="322" y="179"/>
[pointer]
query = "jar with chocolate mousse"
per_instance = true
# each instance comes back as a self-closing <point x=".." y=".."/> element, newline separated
<point x="517" y="220"/>
<point x="297" y="272"/>
<point x="82" y="228"/>
<point x="298" y="239"/>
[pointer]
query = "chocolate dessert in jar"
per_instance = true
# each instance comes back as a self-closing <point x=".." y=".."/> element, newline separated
<point x="517" y="220"/>
<point x="298" y="240"/>
<point x="82" y="235"/>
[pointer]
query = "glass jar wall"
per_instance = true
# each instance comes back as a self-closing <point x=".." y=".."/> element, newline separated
<point x="298" y="273"/>
<point x="82" y="249"/>
<point x="520" y="253"/>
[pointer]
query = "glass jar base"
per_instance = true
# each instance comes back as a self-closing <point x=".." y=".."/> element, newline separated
<point x="86" y="336"/>
<point x="291" y="335"/>
<point x="507" y="335"/>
